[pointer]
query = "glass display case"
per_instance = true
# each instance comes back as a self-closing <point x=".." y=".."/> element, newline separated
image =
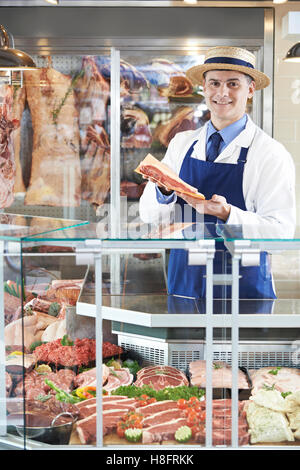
<point x="220" y="371"/>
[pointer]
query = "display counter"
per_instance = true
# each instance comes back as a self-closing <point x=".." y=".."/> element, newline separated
<point x="111" y="319"/>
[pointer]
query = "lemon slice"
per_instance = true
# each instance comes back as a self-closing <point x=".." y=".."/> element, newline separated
<point x="43" y="369"/>
<point x="15" y="353"/>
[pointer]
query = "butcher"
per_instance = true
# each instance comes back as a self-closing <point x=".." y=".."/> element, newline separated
<point x="247" y="177"/>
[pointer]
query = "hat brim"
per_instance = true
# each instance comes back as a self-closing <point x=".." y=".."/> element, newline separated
<point x="195" y="74"/>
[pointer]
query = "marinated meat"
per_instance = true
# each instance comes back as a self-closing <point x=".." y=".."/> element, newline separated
<point x="19" y="98"/>
<point x="135" y="129"/>
<point x="82" y="352"/>
<point x="164" y="176"/>
<point x="34" y="383"/>
<point x="284" y="379"/>
<point x="55" y="173"/>
<point x="182" y="120"/>
<point x="221" y="375"/>
<point x="7" y="161"/>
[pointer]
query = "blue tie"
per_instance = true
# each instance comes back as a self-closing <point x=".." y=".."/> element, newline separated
<point x="213" y="150"/>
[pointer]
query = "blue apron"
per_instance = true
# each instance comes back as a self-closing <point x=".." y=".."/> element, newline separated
<point x="224" y="179"/>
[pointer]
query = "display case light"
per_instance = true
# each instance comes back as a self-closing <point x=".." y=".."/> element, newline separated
<point x="10" y="58"/>
<point x="293" y="54"/>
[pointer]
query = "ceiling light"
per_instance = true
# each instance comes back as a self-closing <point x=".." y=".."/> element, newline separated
<point x="53" y="2"/>
<point x="10" y="58"/>
<point x="191" y="2"/>
<point x="279" y="1"/>
<point x="293" y="54"/>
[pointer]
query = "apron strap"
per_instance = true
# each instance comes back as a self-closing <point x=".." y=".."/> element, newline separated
<point x="243" y="155"/>
<point x="190" y="150"/>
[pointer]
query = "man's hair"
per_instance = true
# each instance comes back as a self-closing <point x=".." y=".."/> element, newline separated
<point x="248" y="77"/>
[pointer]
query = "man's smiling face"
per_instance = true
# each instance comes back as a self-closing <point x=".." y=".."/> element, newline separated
<point x="226" y="93"/>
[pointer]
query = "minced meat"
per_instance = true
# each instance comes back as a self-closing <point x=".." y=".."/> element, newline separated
<point x="81" y="353"/>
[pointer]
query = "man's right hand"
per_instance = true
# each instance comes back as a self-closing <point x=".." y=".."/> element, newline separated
<point x="163" y="189"/>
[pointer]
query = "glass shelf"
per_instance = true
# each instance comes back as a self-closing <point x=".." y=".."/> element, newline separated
<point x="16" y="227"/>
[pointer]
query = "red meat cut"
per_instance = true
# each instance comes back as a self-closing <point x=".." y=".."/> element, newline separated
<point x="164" y="176"/>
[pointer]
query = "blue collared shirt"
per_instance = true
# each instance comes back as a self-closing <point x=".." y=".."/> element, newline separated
<point x="228" y="134"/>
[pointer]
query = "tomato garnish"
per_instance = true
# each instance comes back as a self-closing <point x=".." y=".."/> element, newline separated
<point x="143" y="403"/>
<point x="151" y="400"/>
<point x="193" y="400"/>
<point x="181" y="403"/>
<point x="120" y="431"/>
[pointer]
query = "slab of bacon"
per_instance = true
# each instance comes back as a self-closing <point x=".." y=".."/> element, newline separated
<point x="164" y="176"/>
<point x="55" y="174"/>
<point x="182" y="120"/>
<point x="7" y="162"/>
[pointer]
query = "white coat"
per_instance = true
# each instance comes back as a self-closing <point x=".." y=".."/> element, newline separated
<point x="268" y="181"/>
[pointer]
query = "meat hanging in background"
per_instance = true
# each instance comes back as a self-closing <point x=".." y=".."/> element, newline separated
<point x="183" y="119"/>
<point x="96" y="166"/>
<point x="7" y="160"/>
<point x="92" y="93"/>
<point x="55" y="174"/>
<point x="19" y="98"/>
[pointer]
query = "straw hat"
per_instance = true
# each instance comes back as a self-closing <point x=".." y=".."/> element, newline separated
<point x="229" y="58"/>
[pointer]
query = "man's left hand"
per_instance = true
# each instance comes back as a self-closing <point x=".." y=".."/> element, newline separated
<point x="216" y="206"/>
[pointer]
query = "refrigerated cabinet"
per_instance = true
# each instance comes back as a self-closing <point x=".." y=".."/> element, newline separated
<point x="154" y="327"/>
